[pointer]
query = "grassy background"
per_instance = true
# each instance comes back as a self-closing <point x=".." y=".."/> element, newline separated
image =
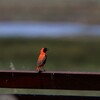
<point x="65" y="54"/>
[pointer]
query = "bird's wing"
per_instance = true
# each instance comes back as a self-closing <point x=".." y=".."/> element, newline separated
<point x="42" y="60"/>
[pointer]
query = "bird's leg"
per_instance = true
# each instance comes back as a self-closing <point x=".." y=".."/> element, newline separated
<point x="37" y="68"/>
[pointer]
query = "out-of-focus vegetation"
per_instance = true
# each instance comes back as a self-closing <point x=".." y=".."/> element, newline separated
<point x="64" y="54"/>
<point x="85" y="11"/>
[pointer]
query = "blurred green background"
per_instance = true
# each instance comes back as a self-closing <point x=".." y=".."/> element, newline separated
<point x="65" y="53"/>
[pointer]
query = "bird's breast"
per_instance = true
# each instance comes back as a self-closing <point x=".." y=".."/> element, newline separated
<point x="41" y="56"/>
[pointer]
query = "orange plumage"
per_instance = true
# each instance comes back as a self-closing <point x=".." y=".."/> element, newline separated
<point x="41" y="59"/>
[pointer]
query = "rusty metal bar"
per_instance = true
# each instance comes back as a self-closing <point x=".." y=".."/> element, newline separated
<point x="50" y="80"/>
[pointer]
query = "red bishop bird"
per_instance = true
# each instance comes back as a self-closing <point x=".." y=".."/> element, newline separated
<point x="41" y="59"/>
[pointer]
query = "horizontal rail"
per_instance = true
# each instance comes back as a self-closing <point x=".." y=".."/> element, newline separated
<point x="48" y="97"/>
<point x="50" y="80"/>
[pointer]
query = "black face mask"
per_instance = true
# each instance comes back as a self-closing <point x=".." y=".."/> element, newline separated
<point x="45" y="49"/>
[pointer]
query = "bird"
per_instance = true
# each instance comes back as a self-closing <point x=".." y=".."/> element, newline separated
<point x="41" y="59"/>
